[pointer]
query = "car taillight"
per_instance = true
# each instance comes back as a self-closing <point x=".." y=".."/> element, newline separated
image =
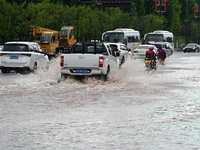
<point x="135" y="51"/>
<point x="117" y="51"/>
<point x="100" y="61"/>
<point x="61" y="61"/>
<point x="29" y="55"/>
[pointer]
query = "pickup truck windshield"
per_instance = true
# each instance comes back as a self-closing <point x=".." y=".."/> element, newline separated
<point x="89" y="48"/>
<point x="15" y="47"/>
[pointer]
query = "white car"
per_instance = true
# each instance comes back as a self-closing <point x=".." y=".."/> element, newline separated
<point x="124" y="52"/>
<point x="140" y="51"/>
<point x="22" y="56"/>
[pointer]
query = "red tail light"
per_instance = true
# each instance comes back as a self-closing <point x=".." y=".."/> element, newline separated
<point x="117" y="51"/>
<point x="135" y="51"/>
<point x="100" y="61"/>
<point x="61" y="61"/>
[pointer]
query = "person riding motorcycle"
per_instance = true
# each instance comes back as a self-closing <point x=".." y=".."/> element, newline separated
<point x="150" y="59"/>
<point x="161" y="54"/>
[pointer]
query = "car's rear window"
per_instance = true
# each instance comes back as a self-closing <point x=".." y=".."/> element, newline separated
<point x="89" y="48"/>
<point x="15" y="47"/>
<point x="190" y="46"/>
<point x="114" y="47"/>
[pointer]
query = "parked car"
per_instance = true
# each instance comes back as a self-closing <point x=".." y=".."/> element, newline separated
<point x="140" y="51"/>
<point x="123" y="51"/>
<point x="22" y="56"/>
<point x="191" y="47"/>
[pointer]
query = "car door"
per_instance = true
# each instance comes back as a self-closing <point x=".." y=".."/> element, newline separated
<point x="113" y="60"/>
<point x="42" y="57"/>
<point x="126" y="52"/>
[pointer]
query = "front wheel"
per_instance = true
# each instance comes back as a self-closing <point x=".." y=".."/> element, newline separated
<point x="3" y="70"/>
<point x="105" y="77"/>
<point x="35" y="68"/>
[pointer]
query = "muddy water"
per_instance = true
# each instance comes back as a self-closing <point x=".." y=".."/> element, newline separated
<point x="135" y="109"/>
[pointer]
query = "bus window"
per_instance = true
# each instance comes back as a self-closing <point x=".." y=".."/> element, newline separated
<point x="169" y="39"/>
<point x="137" y="39"/>
<point x="131" y="39"/>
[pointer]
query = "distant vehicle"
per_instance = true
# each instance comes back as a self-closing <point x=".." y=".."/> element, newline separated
<point x="22" y="56"/>
<point x="123" y="51"/>
<point x="1" y="47"/>
<point x="48" y="39"/>
<point x="159" y="36"/>
<point x="53" y="41"/>
<point x="67" y="38"/>
<point x="191" y="47"/>
<point x="165" y="46"/>
<point x="140" y="52"/>
<point x="129" y="37"/>
<point x="89" y="58"/>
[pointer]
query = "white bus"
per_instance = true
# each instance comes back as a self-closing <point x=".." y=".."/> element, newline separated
<point x="130" y="37"/>
<point x="159" y="36"/>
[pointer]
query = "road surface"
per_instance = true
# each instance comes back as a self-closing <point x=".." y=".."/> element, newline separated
<point x="135" y="110"/>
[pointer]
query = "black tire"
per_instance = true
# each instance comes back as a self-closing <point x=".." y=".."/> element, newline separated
<point x="4" y="70"/>
<point x="35" y="68"/>
<point x="105" y="77"/>
<point x="123" y="60"/>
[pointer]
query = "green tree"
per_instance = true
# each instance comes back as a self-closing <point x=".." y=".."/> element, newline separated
<point x="154" y="22"/>
<point x="173" y="17"/>
<point x="140" y="7"/>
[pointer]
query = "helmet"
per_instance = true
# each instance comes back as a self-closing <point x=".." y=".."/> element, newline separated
<point x="151" y="48"/>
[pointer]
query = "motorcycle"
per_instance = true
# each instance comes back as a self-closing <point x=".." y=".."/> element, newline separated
<point x="149" y="63"/>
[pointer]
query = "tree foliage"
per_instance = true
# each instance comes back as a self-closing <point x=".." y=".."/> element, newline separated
<point x="90" y="21"/>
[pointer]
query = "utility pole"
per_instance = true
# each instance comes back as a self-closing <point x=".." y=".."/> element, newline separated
<point x="160" y="4"/>
<point x="160" y="8"/>
<point x="21" y="32"/>
<point x="198" y="17"/>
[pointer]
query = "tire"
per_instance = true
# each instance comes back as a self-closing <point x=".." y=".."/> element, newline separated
<point x="105" y="77"/>
<point x="123" y="60"/>
<point x="35" y="68"/>
<point x="3" y="70"/>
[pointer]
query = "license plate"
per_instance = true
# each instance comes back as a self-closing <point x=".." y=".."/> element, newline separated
<point x="81" y="71"/>
<point x="13" y="57"/>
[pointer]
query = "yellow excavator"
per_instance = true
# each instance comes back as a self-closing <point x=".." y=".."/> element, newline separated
<point x="48" y="39"/>
<point x="67" y="39"/>
<point x="53" y="41"/>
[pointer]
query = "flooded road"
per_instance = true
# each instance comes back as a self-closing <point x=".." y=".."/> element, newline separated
<point x="135" y="109"/>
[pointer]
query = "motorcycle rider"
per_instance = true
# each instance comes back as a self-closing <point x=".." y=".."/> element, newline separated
<point x="161" y="54"/>
<point x="153" y="55"/>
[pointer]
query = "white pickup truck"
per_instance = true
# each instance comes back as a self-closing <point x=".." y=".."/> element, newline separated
<point x="90" y="58"/>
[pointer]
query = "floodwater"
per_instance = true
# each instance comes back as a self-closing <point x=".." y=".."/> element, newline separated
<point x="134" y="110"/>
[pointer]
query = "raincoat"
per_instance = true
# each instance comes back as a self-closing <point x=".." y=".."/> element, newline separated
<point x="161" y="54"/>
